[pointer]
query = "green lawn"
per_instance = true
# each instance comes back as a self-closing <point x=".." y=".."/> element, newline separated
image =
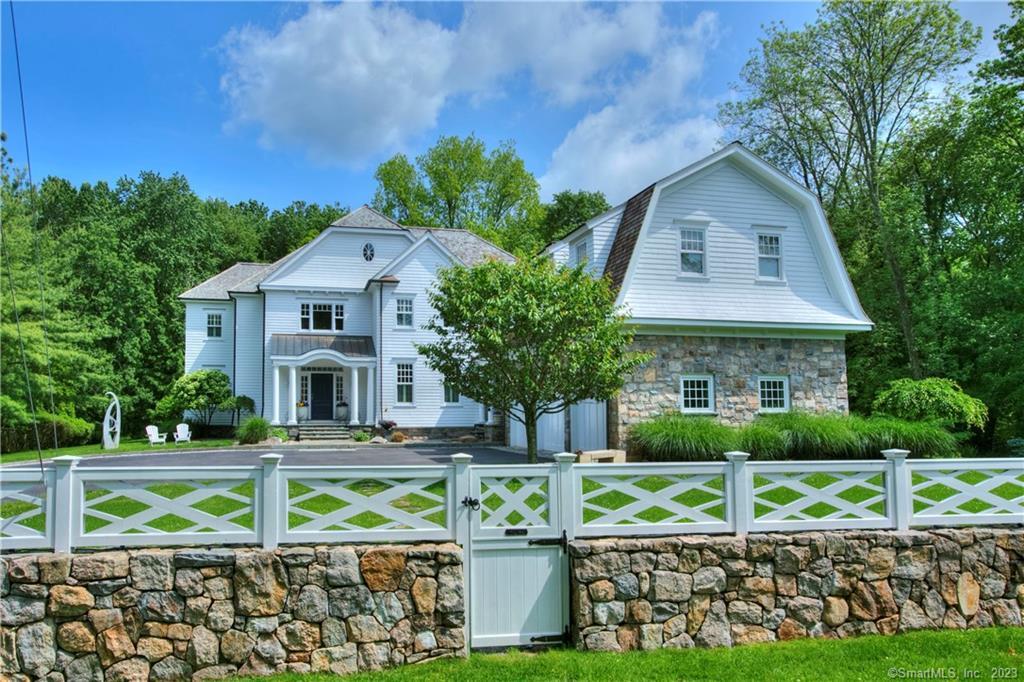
<point x="866" y="658"/>
<point x="127" y="445"/>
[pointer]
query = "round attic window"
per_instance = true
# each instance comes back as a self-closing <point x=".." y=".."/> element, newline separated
<point x="367" y="252"/>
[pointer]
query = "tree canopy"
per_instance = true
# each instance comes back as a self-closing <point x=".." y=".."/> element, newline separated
<point x="528" y="338"/>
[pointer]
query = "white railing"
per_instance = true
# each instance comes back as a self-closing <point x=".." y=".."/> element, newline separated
<point x="64" y="507"/>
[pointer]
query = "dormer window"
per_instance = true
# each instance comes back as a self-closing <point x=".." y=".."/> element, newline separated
<point x="582" y="252"/>
<point x="692" y="251"/>
<point x="368" y="252"/>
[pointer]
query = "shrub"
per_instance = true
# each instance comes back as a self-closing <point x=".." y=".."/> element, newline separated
<point x="202" y="392"/>
<point x="17" y="432"/>
<point x="931" y="399"/>
<point x="253" y="430"/>
<point x="360" y="436"/>
<point x="815" y="436"/>
<point x="761" y="441"/>
<point x="677" y="437"/>
<point x="279" y="432"/>
<point x="922" y="438"/>
<point x="398" y="437"/>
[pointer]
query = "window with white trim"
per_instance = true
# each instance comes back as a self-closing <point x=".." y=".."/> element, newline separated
<point x="304" y="388"/>
<point x="451" y="396"/>
<point x="697" y="393"/>
<point x="322" y="316"/>
<point x="403" y="314"/>
<point x="339" y="388"/>
<point x="368" y="252"/>
<point x="769" y="256"/>
<point x="692" y="251"/>
<point x="214" y="325"/>
<point x="403" y="383"/>
<point x="773" y="394"/>
<point x="582" y="252"/>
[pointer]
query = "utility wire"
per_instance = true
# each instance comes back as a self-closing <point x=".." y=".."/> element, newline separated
<point x="35" y="236"/>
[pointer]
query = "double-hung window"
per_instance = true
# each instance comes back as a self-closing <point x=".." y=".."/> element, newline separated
<point x="214" y="325"/>
<point x="451" y="396"/>
<point x="773" y="394"/>
<point x="769" y="256"/>
<point x="403" y="314"/>
<point x="692" y="251"/>
<point x="322" y="316"/>
<point x="697" y="393"/>
<point x="582" y="252"/>
<point x="403" y="383"/>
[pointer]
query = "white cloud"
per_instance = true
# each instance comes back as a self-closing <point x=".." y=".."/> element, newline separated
<point x="353" y="81"/>
<point x="649" y="129"/>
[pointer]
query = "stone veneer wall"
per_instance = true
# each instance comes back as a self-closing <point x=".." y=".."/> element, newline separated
<point x="816" y="370"/>
<point x="679" y="592"/>
<point x="205" y="614"/>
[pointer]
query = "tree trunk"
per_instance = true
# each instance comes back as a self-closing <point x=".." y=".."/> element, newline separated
<point x="530" y="422"/>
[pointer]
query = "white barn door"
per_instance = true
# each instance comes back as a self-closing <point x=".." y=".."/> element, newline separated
<point x="550" y="433"/>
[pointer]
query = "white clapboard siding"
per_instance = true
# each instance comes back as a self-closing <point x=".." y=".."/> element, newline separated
<point x="416" y="275"/>
<point x="210" y="353"/>
<point x="732" y="204"/>
<point x="336" y="260"/>
<point x="249" y="347"/>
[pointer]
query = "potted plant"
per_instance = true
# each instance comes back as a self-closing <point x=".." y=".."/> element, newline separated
<point x="341" y="411"/>
<point x="303" y="410"/>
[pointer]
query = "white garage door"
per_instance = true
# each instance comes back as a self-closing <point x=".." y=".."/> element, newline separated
<point x="550" y="433"/>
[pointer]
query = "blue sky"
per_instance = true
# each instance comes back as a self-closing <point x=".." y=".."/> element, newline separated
<point x="285" y="101"/>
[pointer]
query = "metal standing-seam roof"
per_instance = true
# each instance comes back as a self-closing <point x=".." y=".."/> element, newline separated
<point x="294" y="345"/>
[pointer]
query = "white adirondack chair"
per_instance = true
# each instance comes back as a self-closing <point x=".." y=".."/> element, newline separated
<point x="155" y="437"/>
<point x="182" y="434"/>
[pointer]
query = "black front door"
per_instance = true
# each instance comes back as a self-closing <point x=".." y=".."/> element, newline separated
<point x="321" y="396"/>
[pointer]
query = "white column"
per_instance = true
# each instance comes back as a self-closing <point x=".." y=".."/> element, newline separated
<point x="276" y="417"/>
<point x="292" y="395"/>
<point x="371" y="403"/>
<point x="355" y="396"/>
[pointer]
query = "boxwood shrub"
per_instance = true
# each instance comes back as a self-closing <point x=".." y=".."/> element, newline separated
<point x="792" y="435"/>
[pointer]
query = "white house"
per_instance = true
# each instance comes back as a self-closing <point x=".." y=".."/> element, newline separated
<point x="328" y="333"/>
<point x="727" y="269"/>
<point x="732" y="279"/>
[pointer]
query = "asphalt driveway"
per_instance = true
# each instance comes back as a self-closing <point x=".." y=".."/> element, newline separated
<point x="305" y="455"/>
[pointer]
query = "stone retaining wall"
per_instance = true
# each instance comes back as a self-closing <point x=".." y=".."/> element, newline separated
<point x="679" y="592"/>
<point x="198" y="614"/>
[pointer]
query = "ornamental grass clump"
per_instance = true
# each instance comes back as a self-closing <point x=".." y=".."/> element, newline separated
<point x="927" y="439"/>
<point x="815" y="436"/>
<point x="677" y="437"/>
<point x="253" y="430"/>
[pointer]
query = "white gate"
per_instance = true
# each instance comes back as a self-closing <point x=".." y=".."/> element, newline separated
<point x="550" y="433"/>
<point x="518" y="568"/>
<point x="589" y="425"/>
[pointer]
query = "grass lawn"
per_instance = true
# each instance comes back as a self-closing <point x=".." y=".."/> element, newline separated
<point x="866" y="658"/>
<point x="127" y="445"/>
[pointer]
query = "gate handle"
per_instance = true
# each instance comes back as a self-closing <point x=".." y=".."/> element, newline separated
<point x="471" y="502"/>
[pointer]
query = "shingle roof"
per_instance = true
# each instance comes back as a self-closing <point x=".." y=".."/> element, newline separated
<point x="468" y="247"/>
<point x="625" y="237"/>
<point x="364" y="216"/>
<point x="294" y="345"/>
<point x="240" y="277"/>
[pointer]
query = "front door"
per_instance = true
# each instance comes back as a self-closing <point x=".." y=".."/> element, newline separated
<point x="321" y="396"/>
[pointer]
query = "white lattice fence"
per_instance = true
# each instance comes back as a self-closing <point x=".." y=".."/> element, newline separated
<point x="169" y="505"/>
<point x="25" y="509"/>
<point x="380" y="503"/>
<point x="818" y="495"/>
<point x="947" y="492"/>
<point x="647" y="499"/>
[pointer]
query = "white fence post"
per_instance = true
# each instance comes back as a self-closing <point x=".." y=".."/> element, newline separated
<point x="65" y="502"/>
<point x="566" y="496"/>
<point x="742" y="492"/>
<point x="460" y="486"/>
<point x="272" y="500"/>
<point x="901" y="490"/>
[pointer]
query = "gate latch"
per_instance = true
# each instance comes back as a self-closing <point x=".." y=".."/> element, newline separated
<point x="562" y="541"/>
<point x="471" y="502"/>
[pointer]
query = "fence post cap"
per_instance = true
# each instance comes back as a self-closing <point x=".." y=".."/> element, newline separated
<point x="895" y="453"/>
<point x="563" y="457"/>
<point x="461" y="458"/>
<point x="737" y="456"/>
<point x="65" y="461"/>
<point x="271" y="458"/>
